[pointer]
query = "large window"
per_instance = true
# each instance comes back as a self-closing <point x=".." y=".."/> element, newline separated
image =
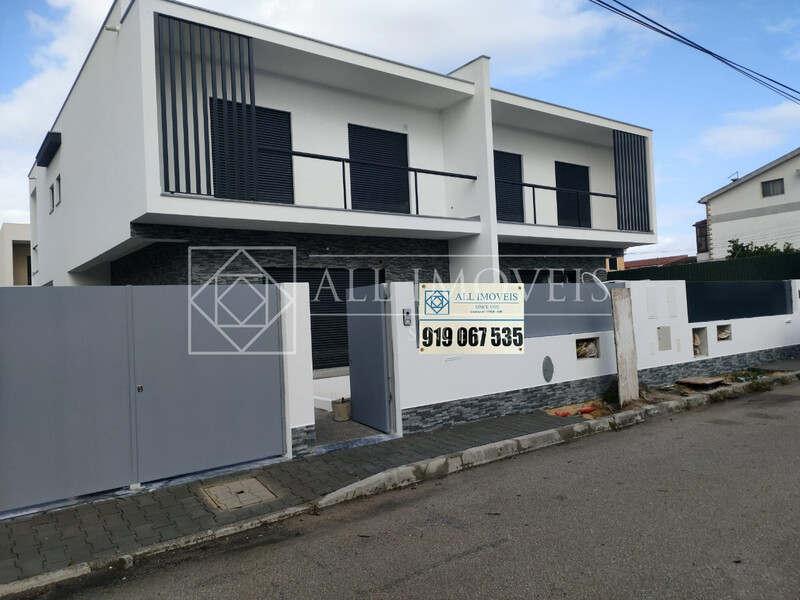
<point x="773" y="187"/>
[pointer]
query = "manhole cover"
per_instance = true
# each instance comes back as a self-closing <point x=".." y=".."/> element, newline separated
<point x="237" y="494"/>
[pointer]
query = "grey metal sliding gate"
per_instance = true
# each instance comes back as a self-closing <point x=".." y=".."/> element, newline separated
<point x="72" y="420"/>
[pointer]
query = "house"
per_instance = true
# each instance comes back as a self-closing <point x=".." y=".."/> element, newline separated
<point x="761" y="207"/>
<point x="187" y="128"/>
<point x="15" y="254"/>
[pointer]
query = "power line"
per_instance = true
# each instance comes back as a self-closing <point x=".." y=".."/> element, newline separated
<point x="787" y="92"/>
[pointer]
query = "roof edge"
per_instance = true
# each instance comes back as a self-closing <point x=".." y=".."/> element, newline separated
<point x="753" y="174"/>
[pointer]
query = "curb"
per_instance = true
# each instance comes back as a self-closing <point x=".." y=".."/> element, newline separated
<point x="412" y="474"/>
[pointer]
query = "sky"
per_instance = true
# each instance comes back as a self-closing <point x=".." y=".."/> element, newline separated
<point x="709" y="122"/>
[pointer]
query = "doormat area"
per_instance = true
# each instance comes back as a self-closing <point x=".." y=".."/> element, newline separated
<point x="333" y="432"/>
<point x="238" y="494"/>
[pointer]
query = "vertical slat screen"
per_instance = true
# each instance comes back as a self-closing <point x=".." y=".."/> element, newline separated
<point x="196" y="66"/>
<point x="630" y="172"/>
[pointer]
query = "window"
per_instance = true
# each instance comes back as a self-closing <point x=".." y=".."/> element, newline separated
<point x="572" y="197"/>
<point x="372" y="186"/>
<point x="58" y="190"/>
<point x="773" y="187"/>
<point x="257" y="168"/>
<point x="52" y="198"/>
<point x="701" y="234"/>
<point x="508" y="167"/>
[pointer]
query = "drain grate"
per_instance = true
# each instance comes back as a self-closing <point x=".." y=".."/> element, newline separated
<point x="238" y="494"/>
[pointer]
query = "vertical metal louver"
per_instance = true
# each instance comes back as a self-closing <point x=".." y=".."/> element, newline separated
<point x="375" y="187"/>
<point x="630" y="172"/>
<point x="196" y="63"/>
<point x="508" y="167"/>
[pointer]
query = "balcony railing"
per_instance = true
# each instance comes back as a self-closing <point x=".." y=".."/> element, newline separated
<point x="416" y="171"/>
<point x="581" y="200"/>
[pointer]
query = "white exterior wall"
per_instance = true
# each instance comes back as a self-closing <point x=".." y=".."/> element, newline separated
<point x="320" y="118"/>
<point x="660" y="304"/>
<point x="422" y="380"/>
<point x="101" y="159"/>
<point x="298" y="389"/>
<point x="774" y="219"/>
<point x="748" y="335"/>
<point x="432" y="379"/>
<point x="539" y="155"/>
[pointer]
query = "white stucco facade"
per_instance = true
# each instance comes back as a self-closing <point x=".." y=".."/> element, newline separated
<point x="742" y="210"/>
<point x="110" y="174"/>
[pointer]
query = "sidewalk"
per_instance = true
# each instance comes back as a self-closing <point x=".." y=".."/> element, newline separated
<point x="44" y="548"/>
<point x="42" y="543"/>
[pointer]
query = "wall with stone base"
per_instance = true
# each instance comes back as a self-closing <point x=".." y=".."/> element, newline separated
<point x="466" y="410"/>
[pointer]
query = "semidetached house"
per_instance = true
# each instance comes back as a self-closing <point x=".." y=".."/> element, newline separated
<point x="188" y="128"/>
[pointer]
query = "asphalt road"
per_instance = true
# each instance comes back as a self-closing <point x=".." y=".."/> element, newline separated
<point x="704" y="504"/>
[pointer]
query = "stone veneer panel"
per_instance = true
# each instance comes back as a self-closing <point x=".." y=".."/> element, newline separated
<point x="529" y="257"/>
<point x="447" y="414"/>
<point x="166" y="262"/>
<point x="303" y="440"/>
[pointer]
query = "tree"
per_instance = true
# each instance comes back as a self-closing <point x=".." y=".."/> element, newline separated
<point x="737" y="249"/>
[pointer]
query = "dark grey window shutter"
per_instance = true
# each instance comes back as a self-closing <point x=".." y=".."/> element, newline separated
<point x="508" y="166"/>
<point x="574" y="207"/>
<point x="232" y="148"/>
<point x="375" y="187"/>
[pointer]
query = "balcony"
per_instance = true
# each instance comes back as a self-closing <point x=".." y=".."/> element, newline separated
<point x="218" y="143"/>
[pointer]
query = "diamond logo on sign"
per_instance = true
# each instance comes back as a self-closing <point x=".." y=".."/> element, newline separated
<point x="437" y="302"/>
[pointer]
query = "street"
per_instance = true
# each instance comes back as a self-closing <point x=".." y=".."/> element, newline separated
<point x="702" y="504"/>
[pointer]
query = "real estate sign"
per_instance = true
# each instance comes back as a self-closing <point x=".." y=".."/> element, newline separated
<point x="480" y="318"/>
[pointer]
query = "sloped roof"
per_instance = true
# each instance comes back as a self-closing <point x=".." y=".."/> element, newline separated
<point x="659" y="262"/>
<point x="749" y="176"/>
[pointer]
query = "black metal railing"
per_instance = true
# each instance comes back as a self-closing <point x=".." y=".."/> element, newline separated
<point x="345" y="161"/>
<point x="579" y="194"/>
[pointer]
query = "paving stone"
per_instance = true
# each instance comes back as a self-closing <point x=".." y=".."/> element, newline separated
<point x="136" y="519"/>
<point x="127" y="544"/>
<point x="81" y="555"/>
<point x="31" y="567"/>
<point x="8" y="569"/>
<point x="168" y="533"/>
<point x="99" y="544"/>
<point x="94" y="531"/>
<point x="145" y="532"/>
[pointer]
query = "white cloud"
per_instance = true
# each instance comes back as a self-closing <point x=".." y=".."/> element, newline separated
<point x="523" y="38"/>
<point x="786" y="26"/>
<point x="749" y="132"/>
<point x="27" y="112"/>
<point x="792" y="52"/>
